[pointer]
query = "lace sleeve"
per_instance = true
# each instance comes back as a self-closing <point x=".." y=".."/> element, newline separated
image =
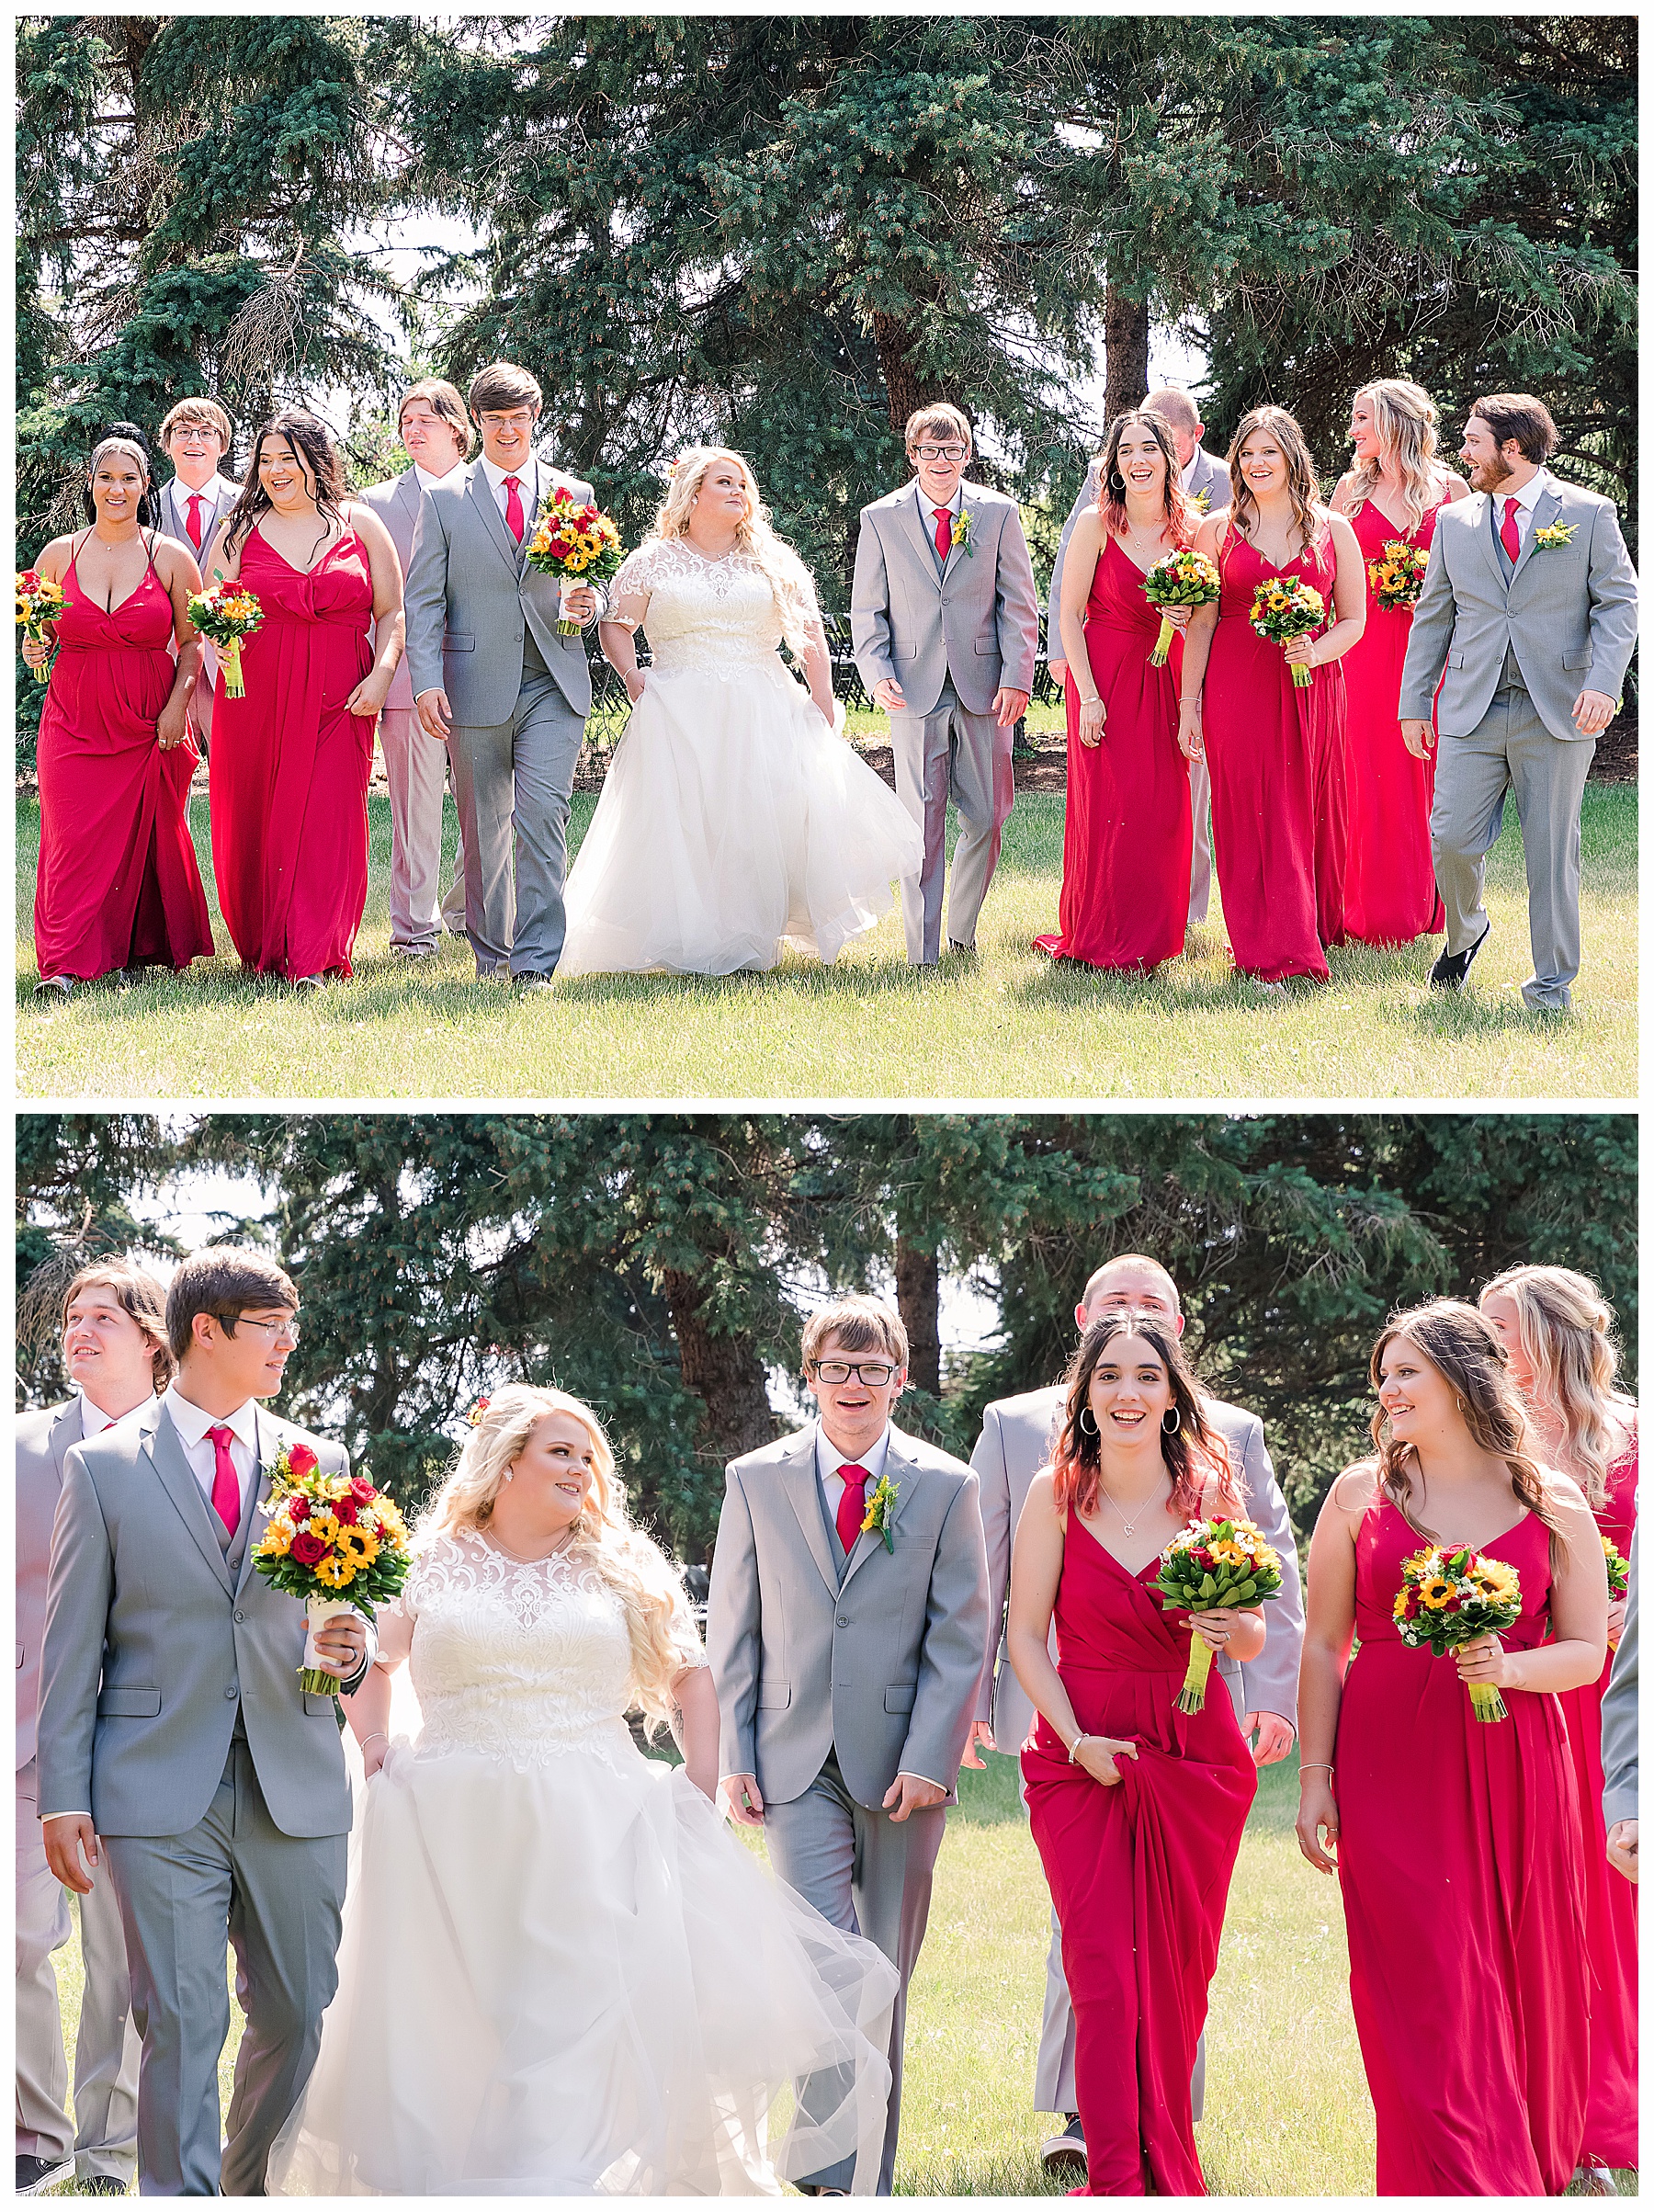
<point x="685" y="1636"/>
<point x="637" y="572"/>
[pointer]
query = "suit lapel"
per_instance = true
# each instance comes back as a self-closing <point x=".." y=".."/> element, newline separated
<point x="408" y="494"/>
<point x="481" y="492"/>
<point x="901" y="1472"/>
<point x="953" y="544"/>
<point x="915" y="513"/>
<point x="798" y="1481"/>
<point x="1487" y="524"/>
<point x="269" y="1445"/>
<point x="164" y="1447"/>
<point x="1546" y="508"/>
<point x="66" y="1432"/>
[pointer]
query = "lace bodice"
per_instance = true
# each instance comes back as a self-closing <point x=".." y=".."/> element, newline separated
<point x="520" y="1661"/>
<point x="711" y="616"/>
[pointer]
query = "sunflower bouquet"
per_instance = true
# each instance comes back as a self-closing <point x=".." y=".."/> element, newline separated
<point x="1451" y="1595"/>
<point x="1285" y="607"/>
<point x="1208" y="1564"/>
<point x="1397" y="576"/>
<point x="329" y="1535"/>
<point x="1183" y="578"/>
<point x="227" y="613"/>
<point x="1619" y="1577"/>
<point x="575" y="540"/>
<point x="40" y="602"/>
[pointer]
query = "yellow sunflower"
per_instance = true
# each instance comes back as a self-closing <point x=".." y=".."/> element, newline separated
<point x="1435" y="1592"/>
<point x="277" y="1538"/>
<point x="335" y="1571"/>
<point x="358" y="1546"/>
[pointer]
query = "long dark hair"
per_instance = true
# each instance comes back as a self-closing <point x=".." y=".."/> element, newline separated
<point x="312" y="442"/>
<point x="1194" y="1453"/>
<point x="148" y="503"/>
<point x="1181" y="512"/>
<point x="1300" y="473"/>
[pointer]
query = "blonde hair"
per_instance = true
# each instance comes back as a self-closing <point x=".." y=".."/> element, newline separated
<point x="1404" y="416"/>
<point x="622" y="1556"/>
<point x="1566" y="1329"/>
<point x="782" y="569"/>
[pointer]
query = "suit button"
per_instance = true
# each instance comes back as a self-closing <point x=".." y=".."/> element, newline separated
<point x="240" y="1616"/>
<point x="844" y="1620"/>
<point x="232" y="1691"/>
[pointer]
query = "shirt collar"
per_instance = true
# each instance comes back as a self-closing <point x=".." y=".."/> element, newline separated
<point x="94" y="1420"/>
<point x="496" y="477"/>
<point x="428" y="481"/>
<point x="928" y="505"/>
<point x="192" y="1424"/>
<point x="1186" y="476"/>
<point x="829" y="1458"/>
<point x="1531" y="492"/>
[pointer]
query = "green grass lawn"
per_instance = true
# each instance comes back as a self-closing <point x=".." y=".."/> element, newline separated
<point x="1009" y="1025"/>
<point x="1286" y="2106"/>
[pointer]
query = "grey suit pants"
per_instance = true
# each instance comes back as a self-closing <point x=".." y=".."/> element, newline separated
<point x="416" y="769"/>
<point x="951" y="753"/>
<point x="105" y="2133"/>
<point x="1512" y="750"/>
<point x="870" y="1876"/>
<point x="278" y="1898"/>
<point x="511" y="784"/>
<point x="1200" y="861"/>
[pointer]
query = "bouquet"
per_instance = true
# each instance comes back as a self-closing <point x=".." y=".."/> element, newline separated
<point x="38" y="603"/>
<point x="1619" y="1577"/>
<point x="1181" y="579"/>
<point x="1213" y="1563"/>
<point x="1285" y="607"/>
<point x="576" y="541"/>
<point x="1398" y="575"/>
<point x="1450" y="1597"/>
<point x="329" y="1534"/>
<point x="227" y="613"/>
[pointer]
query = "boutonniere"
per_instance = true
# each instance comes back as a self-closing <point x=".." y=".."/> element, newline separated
<point x="881" y="1509"/>
<point x="1203" y="500"/>
<point x="961" y="532"/>
<point x="1555" y="534"/>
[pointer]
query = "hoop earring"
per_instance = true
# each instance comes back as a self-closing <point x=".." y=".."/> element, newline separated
<point x="1116" y="485"/>
<point x="1170" y="1421"/>
<point x="1088" y="1422"/>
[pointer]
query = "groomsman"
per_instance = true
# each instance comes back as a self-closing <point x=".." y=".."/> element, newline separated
<point x="175" y="1737"/>
<point x="1619" y="1738"/>
<point x="1207" y="481"/>
<point x="846" y="1656"/>
<point x="1014" y="1445"/>
<point x="116" y="1354"/>
<point x="436" y="438"/>
<point x="196" y="438"/>
<point x="1529" y="606"/>
<point x="944" y="622"/>
<point x="494" y="682"/>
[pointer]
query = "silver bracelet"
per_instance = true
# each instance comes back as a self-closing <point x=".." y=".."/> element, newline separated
<point x="1316" y="1766"/>
<point x="379" y="1736"/>
<point x="1074" y="1749"/>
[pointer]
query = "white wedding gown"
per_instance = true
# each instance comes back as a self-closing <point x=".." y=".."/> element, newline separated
<point x="560" y="1974"/>
<point x="733" y="822"/>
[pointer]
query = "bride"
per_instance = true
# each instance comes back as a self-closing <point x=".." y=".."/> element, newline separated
<point x="560" y="1974"/>
<point x="734" y="822"/>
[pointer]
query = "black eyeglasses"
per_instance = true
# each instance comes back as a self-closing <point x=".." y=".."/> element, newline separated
<point x="941" y="452"/>
<point x="874" y="1373"/>
<point x="286" y="1326"/>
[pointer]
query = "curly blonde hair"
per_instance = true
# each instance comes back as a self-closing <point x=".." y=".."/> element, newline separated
<point x="1405" y="418"/>
<point x="622" y="1556"/>
<point x="783" y="571"/>
<point x="1566" y="1327"/>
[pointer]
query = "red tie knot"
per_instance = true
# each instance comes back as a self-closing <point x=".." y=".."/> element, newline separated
<point x="222" y="1437"/>
<point x="858" y="1475"/>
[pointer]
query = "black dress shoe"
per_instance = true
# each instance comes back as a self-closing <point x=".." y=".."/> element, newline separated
<point x="53" y="986"/>
<point x="1450" y="971"/>
<point x="35" y="2175"/>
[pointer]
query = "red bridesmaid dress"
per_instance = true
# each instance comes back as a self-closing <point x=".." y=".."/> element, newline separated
<point x="1127" y="834"/>
<point x="118" y="882"/>
<point x="288" y="767"/>
<point x="1460" y="1861"/>
<point x="1276" y="755"/>
<point x="1391" y="894"/>
<point x="1139" y="1873"/>
<point x="1610" y="1900"/>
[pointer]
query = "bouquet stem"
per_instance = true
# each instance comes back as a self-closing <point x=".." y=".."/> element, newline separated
<point x="568" y="629"/>
<point x="1486" y="1703"/>
<point x="316" y="1681"/>
<point x="1301" y="676"/>
<point x="1162" y="644"/>
<point x="231" y="668"/>
<point x="1191" y="1698"/>
<point x="39" y="637"/>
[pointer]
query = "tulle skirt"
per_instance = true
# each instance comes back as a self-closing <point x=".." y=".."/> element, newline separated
<point x="733" y="825"/>
<point x="572" y="1980"/>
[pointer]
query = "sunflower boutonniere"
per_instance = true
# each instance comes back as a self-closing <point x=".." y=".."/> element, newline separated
<point x="1554" y="536"/>
<point x="881" y="1509"/>
<point x="962" y="532"/>
<point x="1201" y="500"/>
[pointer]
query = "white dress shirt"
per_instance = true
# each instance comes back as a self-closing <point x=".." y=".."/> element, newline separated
<point x="427" y="483"/>
<point x="94" y="1420"/>
<point x="192" y="1425"/>
<point x="1526" y="500"/>
<point x="1187" y="475"/>
<point x="527" y="478"/>
<point x="828" y="1459"/>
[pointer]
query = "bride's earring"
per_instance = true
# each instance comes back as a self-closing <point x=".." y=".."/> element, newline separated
<point x="506" y="1476"/>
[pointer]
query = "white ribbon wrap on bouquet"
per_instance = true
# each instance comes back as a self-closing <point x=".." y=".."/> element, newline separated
<point x="318" y="1611"/>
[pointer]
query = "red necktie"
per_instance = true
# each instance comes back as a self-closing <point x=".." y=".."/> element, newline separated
<point x="943" y="531"/>
<point x="196" y="503"/>
<point x="1510" y="537"/>
<point x="514" y="508"/>
<point x="852" y="1505"/>
<point x="226" y="1483"/>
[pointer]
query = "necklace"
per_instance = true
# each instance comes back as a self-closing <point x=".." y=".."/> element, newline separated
<point x="537" y="1558"/>
<point x="1129" y="1526"/>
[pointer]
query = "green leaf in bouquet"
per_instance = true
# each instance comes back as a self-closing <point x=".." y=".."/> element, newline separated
<point x="1208" y="1588"/>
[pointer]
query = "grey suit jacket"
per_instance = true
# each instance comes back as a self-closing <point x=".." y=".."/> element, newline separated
<point x="471" y="596"/>
<point x="1619" y="1715"/>
<point x="1211" y="481"/>
<point x="1569" y="613"/>
<point x="45" y="1439"/>
<point x="1015" y="1443"/>
<point x="396" y="502"/>
<point x="882" y="1669"/>
<point x="139" y="1599"/>
<point x="221" y="495"/>
<point x="976" y="619"/>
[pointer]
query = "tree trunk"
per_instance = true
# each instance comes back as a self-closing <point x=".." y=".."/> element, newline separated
<point x="918" y="1302"/>
<point x="903" y="392"/>
<point x="724" y="1372"/>
<point x="1126" y="333"/>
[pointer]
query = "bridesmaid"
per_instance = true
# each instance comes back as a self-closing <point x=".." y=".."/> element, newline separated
<point x="118" y="885"/>
<point x="1277" y="753"/>
<point x="1128" y="830"/>
<point x="1558" y="1331"/>
<point x="1137" y="1809"/>
<point x="1396" y="490"/>
<point x="290" y="761"/>
<point x="1457" y="1843"/>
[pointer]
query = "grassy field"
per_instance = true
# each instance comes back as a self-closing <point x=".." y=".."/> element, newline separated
<point x="1009" y="1025"/>
<point x="1286" y="2106"/>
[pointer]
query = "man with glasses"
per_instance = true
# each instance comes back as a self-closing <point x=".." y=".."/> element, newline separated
<point x="176" y="1738"/>
<point x="844" y="1629"/>
<point x="944" y="621"/>
<point x="496" y="684"/>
